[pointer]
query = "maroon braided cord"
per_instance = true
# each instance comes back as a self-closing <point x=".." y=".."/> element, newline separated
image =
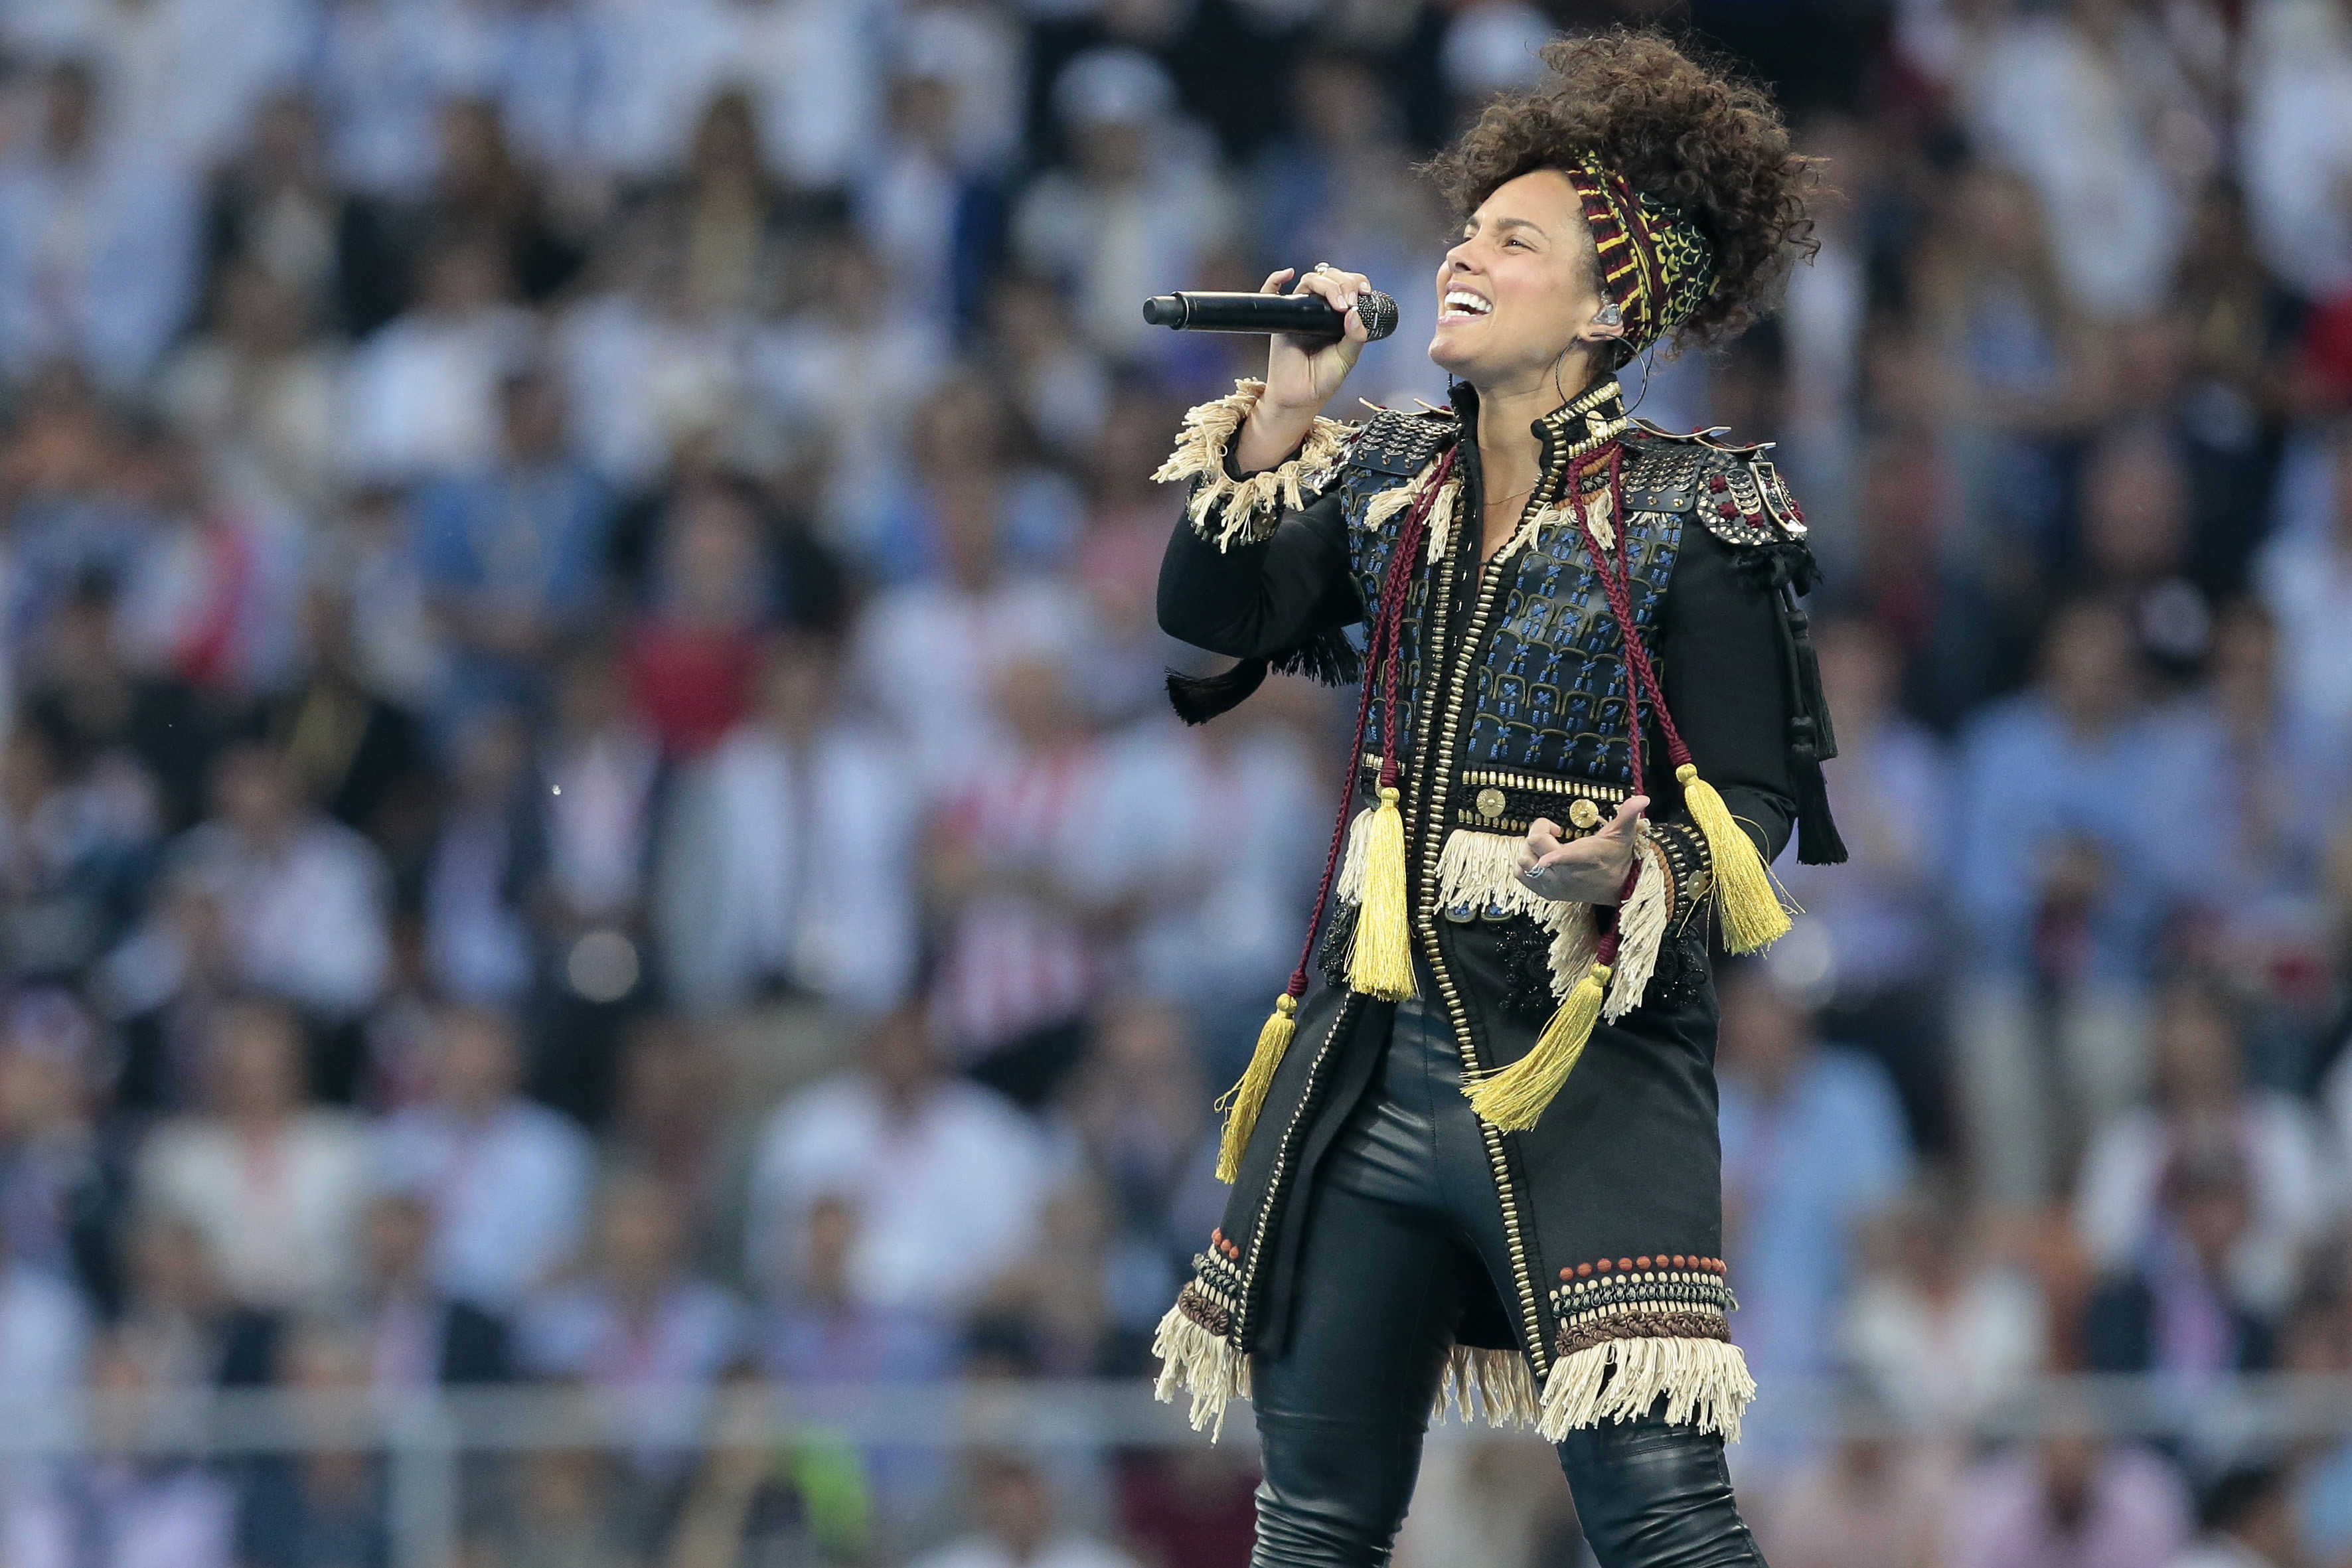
<point x="1638" y="673"/>
<point x="1387" y="629"/>
<point x="1641" y="677"/>
<point x="1396" y="587"/>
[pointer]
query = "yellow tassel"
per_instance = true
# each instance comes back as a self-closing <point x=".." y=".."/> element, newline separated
<point x="1513" y="1097"/>
<point x="1381" y="963"/>
<point x="1744" y="896"/>
<point x="1243" y="1103"/>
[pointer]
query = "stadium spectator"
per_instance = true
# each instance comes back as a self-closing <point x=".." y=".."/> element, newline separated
<point x="177" y="1322"/>
<point x="278" y="210"/>
<point x="98" y="239"/>
<point x="638" y="1327"/>
<point x="1875" y="940"/>
<point x="1136" y="205"/>
<point x="780" y="852"/>
<point x="1865" y="1501"/>
<point x="2072" y="1500"/>
<point x="2174" y="1307"/>
<point x="128" y="1508"/>
<point x="331" y="1502"/>
<point x="506" y="1181"/>
<point x="1017" y="1527"/>
<point x="62" y="1184"/>
<point x="416" y="1334"/>
<point x="1812" y="1140"/>
<point x="300" y="896"/>
<point x="275" y="1185"/>
<point x="514" y="556"/>
<point x="2201" y="1097"/>
<point x="2304" y="577"/>
<point x="2245" y="1520"/>
<point x="420" y="395"/>
<point x="2058" y="879"/>
<point x="947" y="1178"/>
<point x="1941" y="1331"/>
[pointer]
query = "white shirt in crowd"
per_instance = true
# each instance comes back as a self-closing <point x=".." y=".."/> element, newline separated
<point x="1062" y="1551"/>
<point x="510" y="1192"/>
<point x="658" y="1370"/>
<point x="2297" y="143"/>
<point x="790" y="863"/>
<point x="306" y="924"/>
<point x="1946" y="1361"/>
<point x="2117" y="1193"/>
<point x="185" y="76"/>
<point x="420" y="395"/>
<point x="1230" y="817"/>
<point x="97" y="261"/>
<point x="2304" y="577"/>
<point x="123" y="1514"/>
<point x="943" y="1199"/>
<point x="279" y="1216"/>
<point x="927" y="653"/>
<point x="2072" y="120"/>
<point x="811" y="67"/>
<point x="45" y="1333"/>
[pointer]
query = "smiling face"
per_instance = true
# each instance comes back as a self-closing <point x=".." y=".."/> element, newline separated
<point x="1519" y="286"/>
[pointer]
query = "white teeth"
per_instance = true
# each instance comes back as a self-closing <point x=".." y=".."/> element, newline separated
<point x="1462" y="302"/>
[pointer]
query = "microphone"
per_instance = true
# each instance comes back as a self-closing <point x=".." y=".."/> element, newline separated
<point x="1307" y="315"/>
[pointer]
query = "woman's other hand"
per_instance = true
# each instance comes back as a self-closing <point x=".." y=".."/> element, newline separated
<point x="1587" y="870"/>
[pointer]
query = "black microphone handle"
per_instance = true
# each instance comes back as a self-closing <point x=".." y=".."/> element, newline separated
<point x="1307" y="315"/>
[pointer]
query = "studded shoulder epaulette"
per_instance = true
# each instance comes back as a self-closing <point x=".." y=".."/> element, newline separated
<point x="1395" y="442"/>
<point x="1734" y="489"/>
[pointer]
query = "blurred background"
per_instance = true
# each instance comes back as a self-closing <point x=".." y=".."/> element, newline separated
<point x="611" y="958"/>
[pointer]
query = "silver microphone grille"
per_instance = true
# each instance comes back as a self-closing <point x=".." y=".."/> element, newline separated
<point x="1378" y="311"/>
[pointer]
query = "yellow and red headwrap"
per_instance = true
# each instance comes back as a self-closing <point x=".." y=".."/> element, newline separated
<point x="1656" y="265"/>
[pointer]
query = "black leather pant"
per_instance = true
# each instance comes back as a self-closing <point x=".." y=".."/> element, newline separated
<point x="1403" y="1208"/>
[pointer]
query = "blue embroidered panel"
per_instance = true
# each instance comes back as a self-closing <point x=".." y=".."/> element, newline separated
<point x="1551" y="692"/>
<point x="1370" y="549"/>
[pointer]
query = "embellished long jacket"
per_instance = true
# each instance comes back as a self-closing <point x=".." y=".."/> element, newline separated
<point x="1514" y="706"/>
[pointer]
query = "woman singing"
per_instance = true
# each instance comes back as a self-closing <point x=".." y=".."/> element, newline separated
<point x="1476" y="1164"/>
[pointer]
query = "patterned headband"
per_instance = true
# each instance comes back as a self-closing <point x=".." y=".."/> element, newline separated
<point x="1655" y="264"/>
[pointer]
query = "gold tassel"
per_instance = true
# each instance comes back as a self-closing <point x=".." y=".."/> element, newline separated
<point x="1751" y="911"/>
<point x="1243" y="1103"/>
<point x="1381" y="965"/>
<point x="1513" y="1097"/>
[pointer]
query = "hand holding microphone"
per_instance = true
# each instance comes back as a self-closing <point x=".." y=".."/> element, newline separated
<point x="1302" y="372"/>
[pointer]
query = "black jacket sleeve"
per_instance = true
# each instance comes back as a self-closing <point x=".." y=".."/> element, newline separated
<point x="1720" y="666"/>
<point x="1253" y="601"/>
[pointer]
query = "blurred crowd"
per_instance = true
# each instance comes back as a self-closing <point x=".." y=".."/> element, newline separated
<point x="586" y="799"/>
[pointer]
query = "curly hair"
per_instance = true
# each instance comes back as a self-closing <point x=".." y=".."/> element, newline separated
<point x="1684" y="132"/>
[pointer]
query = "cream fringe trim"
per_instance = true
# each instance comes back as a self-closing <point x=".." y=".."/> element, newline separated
<point x="1530" y="525"/>
<point x="1705" y="1382"/>
<point x="1597" y="509"/>
<point x="1395" y="500"/>
<point x="1498" y="1384"/>
<point x="1203" y="1366"/>
<point x="1482" y="870"/>
<point x="1640" y="931"/>
<point x="1247" y="510"/>
<point x="1495" y="1385"/>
